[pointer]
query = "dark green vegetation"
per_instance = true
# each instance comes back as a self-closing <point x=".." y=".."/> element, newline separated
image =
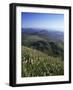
<point x="42" y="53"/>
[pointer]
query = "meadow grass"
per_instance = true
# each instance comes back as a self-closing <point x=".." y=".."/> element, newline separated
<point x="36" y="63"/>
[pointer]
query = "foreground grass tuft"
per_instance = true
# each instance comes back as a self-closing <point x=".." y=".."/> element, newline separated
<point x="36" y="63"/>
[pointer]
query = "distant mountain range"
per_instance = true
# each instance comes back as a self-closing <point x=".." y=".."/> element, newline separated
<point x="48" y="34"/>
<point x="47" y="41"/>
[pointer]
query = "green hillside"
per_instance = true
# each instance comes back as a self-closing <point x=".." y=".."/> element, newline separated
<point x="44" y="44"/>
<point x="37" y="63"/>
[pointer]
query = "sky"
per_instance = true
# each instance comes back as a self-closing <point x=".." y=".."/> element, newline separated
<point x="47" y="21"/>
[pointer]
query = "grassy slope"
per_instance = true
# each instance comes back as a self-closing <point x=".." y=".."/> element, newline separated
<point x="37" y="63"/>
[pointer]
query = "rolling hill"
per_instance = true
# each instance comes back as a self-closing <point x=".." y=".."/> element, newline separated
<point x="42" y="52"/>
<point x="49" y="42"/>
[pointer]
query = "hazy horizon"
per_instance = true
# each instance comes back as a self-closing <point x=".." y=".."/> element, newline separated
<point x="41" y="29"/>
<point x="46" y="21"/>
